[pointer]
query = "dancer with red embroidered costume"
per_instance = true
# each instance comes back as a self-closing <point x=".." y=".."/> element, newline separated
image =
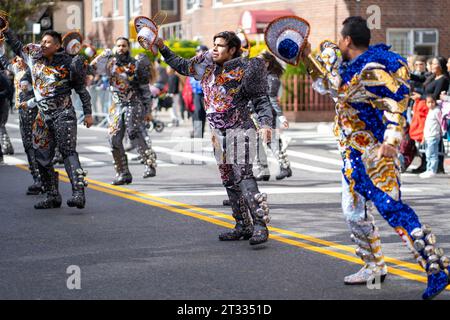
<point x="229" y="83"/>
<point x="53" y="77"/>
<point x="27" y="115"/>
<point x="129" y="79"/>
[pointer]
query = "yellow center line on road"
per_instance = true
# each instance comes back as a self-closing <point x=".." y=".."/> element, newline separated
<point x="171" y="206"/>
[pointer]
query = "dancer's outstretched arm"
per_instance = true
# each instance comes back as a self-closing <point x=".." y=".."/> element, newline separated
<point x="255" y="85"/>
<point x="77" y="81"/>
<point x="194" y="67"/>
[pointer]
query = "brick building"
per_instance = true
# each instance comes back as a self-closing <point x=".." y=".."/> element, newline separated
<point x="413" y="26"/>
<point x="104" y="20"/>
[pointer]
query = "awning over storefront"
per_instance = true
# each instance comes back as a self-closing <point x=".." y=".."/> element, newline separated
<point x="255" y="21"/>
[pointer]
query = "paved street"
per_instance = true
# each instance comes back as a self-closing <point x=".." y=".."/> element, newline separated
<point x="157" y="238"/>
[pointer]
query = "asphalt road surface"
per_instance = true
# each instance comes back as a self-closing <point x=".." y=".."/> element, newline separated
<point x="157" y="238"/>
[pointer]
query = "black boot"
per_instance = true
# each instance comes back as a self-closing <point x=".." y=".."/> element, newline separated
<point x="244" y="227"/>
<point x="260" y="233"/>
<point x="50" y="180"/>
<point x="122" y="178"/>
<point x="285" y="165"/>
<point x="150" y="171"/>
<point x="226" y="203"/>
<point x="7" y="145"/>
<point x="36" y="188"/>
<point x="240" y="231"/>
<point x="259" y="209"/>
<point x="76" y="175"/>
<point x="58" y="158"/>
<point x="123" y="175"/>
<point x="149" y="158"/>
<point x="263" y="173"/>
<point x="423" y="164"/>
<point x="284" y="173"/>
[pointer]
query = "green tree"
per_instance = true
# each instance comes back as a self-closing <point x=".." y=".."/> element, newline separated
<point x="19" y="11"/>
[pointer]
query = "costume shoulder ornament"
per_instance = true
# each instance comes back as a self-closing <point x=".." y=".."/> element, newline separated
<point x="323" y="66"/>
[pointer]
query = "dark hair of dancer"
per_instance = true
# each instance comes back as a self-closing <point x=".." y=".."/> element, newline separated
<point x="232" y="40"/>
<point x="274" y="67"/>
<point x="123" y="38"/>
<point x="55" y="35"/>
<point x="357" y="29"/>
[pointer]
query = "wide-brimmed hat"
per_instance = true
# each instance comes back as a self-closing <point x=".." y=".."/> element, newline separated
<point x="286" y="38"/>
<point x="245" y="42"/>
<point x="71" y="42"/>
<point x="147" y="33"/>
<point x="88" y="51"/>
<point x="33" y="50"/>
<point x="3" y="23"/>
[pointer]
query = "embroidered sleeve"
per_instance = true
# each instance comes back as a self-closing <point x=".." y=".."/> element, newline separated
<point x="388" y="91"/>
<point x="323" y="67"/>
<point x="255" y="85"/>
<point x="194" y="67"/>
<point x="274" y="87"/>
<point x="77" y="80"/>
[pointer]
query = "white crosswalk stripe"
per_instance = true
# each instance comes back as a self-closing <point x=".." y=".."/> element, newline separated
<point x="12" y="161"/>
<point x="90" y="162"/>
<point x="269" y="191"/>
<point x="131" y="155"/>
<point x="312" y="157"/>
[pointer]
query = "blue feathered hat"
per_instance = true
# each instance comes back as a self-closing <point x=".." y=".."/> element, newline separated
<point x="286" y="38"/>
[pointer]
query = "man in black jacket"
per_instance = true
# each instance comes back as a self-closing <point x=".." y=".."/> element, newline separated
<point x="229" y="83"/>
<point x="5" y="92"/>
<point x="5" y="105"/>
<point x="54" y="75"/>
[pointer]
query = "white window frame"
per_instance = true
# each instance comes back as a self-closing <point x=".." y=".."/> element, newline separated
<point x="97" y="4"/>
<point x="242" y="3"/>
<point x="172" y="12"/>
<point x="217" y="3"/>
<point x="197" y="5"/>
<point x="116" y="5"/>
<point x="134" y="10"/>
<point x="412" y="44"/>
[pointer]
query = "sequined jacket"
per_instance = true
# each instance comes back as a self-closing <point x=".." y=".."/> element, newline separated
<point x="228" y="89"/>
<point x="274" y="84"/>
<point x="22" y="81"/>
<point x="371" y="92"/>
<point x="52" y="79"/>
<point x="128" y="77"/>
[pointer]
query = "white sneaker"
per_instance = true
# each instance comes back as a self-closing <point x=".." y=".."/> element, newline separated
<point x="427" y="174"/>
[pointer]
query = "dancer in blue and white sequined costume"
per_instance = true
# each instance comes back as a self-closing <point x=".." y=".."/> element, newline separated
<point x="371" y="91"/>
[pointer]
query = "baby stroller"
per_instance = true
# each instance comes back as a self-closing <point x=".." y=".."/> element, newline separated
<point x="160" y="101"/>
<point x="155" y="124"/>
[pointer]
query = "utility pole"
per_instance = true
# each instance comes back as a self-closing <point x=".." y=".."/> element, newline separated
<point x="127" y="18"/>
<point x="358" y="8"/>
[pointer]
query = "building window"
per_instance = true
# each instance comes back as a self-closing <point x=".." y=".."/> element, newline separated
<point x="116" y="7"/>
<point x="97" y="8"/>
<point x="193" y="4"/>
<point x="217" y="3"/>
<point x="170" y="6"/>
<point x="136" y="7"/>
<point x="406" y="42"/>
